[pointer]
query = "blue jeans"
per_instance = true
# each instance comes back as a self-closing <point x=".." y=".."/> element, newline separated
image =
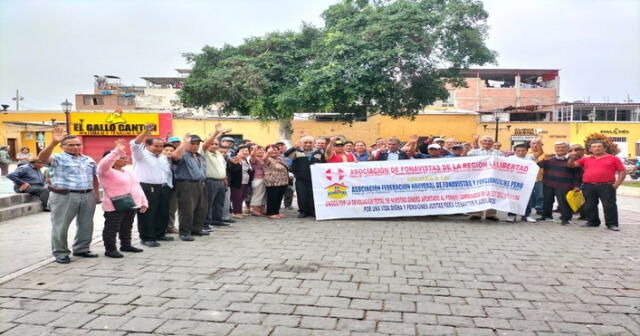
<point x="537" y="197"/>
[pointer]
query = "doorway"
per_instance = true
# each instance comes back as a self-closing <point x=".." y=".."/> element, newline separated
<point x="11" y="142"/>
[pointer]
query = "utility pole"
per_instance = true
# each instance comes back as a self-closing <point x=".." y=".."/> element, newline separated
<point x="17" y="98"/>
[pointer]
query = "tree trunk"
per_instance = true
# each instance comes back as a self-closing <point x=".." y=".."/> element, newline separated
<point x="285" y="130"/>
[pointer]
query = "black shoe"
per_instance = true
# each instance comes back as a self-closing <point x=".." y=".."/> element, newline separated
<point x="150" y="243"/>
<point x="208" y="229"/>
<point x="613" y="228"/>
<point x="565" y="222"/>
<point x="587" y="224"/>
<point x="228" y="221"/>
<point x="583" y="218"/>
<point x="475" y="218"/>
<point x="45" y="209"/>
<point x="131" y="249"/>
<point x="87" y="254"/>
<point x="220" y="224"/>
<point x="302" y="215"/>
<point x="493" y="218"/>
<point x="113" y="254"/>
<point x="186" y="238"/>
<point x="63" y="260"/>
<point x="200" y="233"/>
<point x="165" y="238"/>
<point x="544" y="218"/>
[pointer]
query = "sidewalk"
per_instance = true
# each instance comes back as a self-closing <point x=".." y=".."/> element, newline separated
<point x="405" y="276"/>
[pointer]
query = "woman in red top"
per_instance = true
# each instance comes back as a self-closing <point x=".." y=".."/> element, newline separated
<point x="335" y="152"/>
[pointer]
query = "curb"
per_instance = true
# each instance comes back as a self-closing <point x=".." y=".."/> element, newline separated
<point x="628" y="191"/>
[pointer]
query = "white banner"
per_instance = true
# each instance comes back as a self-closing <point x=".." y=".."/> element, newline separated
<point x="422" y="187"/>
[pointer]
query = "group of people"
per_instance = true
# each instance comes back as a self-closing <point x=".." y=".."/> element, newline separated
<point x="213" y="182"/>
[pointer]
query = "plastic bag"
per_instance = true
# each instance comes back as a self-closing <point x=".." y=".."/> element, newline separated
<point x="575" y="199"/>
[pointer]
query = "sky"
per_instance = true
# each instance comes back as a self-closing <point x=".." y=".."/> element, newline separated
<point x="51" y="49"/>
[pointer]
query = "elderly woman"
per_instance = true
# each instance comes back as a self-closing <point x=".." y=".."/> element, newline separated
<point x="123" y="198"/>
<point x="238" y="175"/>
<point x="276" y="181"/>
<point x="258" y="191"/>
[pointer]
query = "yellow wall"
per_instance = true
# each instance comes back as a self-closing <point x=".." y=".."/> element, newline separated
<point x="12" y="131"/>
<point x="263" y="133"/>
<point x="550" y="132"/>
<point x="580" y="130"/>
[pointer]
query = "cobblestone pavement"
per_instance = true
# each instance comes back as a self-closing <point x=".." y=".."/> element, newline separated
<point x="416" y="276"/>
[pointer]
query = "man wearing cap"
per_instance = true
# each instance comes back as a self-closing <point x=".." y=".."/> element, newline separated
<point x="30" y="180"/>
<point x="434" y="151"/>
<point x="228" y="142"/>
<point x="456" y="151"/>
<point x="190" y="175"/>
<point x="153" y="170"/>
<point x="335" y="152"/>
<point x="173" y="200"/>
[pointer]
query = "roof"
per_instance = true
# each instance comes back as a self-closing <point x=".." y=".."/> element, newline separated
<point x="600" y="104"/>
<point x="183" y="71"/>
<point x="164" y="80"/>
<point x="531" y="72"/>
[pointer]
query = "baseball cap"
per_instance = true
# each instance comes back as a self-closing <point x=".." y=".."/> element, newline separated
<point x="195" y="138"/>
<point x="438" y="139"/>
<point x="338" y="143"/>
<point x="174" y="139"/>
<point x="434" y="146"/>
<point x="227" y="139"/>
<point x="457" y="147"/>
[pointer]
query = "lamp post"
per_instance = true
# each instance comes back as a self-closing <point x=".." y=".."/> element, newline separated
<point x="66" y="107"/>
<point x="497" y="122"/>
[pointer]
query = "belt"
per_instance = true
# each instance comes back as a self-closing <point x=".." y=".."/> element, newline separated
<point x="155" y="185"/>
<point x="214" y="179"/>
<point x="83" y="191"/>
<point x="190" y="181"/>
<point x="598" y="183"/>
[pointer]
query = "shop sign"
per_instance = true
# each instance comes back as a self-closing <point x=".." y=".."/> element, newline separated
<point x="525" y="131"/>
<point x="117" y="124"/>
<point x="522" y="137"/>
<point x="615" y="131"/>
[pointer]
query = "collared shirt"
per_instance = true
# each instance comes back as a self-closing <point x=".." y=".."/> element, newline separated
<point x="600" y="170"/>
<point x="26" y="174"/>
<point x="393" y="156"/>
<point x="72" y="172"/>
<point x="484" y="152"/>
<point x="191" y="167"/>
<point x="150" y="168"/>
<point x="216" y="165"/>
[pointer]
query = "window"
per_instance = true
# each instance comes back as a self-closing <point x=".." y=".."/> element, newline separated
<point x="624" y="115"/>
<point x="92" y="100"/>
<point x="126" y="101"/>
<point x="581" y="115"/>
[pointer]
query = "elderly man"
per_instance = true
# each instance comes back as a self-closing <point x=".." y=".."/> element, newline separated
<point x="321" y="144"/>
<point x="75" y="192"/>
<point x="302" y="157"/>
<point x="486" y="149"/>
<point x="600" y="183"/>
<point x="558" y="178"/>
<point x="153" y="170"/>
<point x="5" y="160"/>
<point x="216" y="181"/>
<point x="190" y="176"/>
<point x="393" y="152"/>
<point x="228" y="142"/>
<point x="29" y="179"/>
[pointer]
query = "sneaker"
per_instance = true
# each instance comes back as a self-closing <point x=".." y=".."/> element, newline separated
<point x="530" y="219"/>
<point x="510" y="219"/>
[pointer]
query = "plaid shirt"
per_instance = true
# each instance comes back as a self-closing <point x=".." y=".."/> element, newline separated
<point x="72" y="172"/>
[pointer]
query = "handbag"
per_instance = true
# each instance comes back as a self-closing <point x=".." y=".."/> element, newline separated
<point x="122" y="202"/>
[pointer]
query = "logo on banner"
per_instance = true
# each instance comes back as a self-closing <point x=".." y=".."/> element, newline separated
<point x="337" y="191"/>
<point x="332" y="174"/>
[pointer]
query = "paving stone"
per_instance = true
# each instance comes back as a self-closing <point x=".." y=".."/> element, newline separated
<point x="312" y="311"/>
<point x="276" y="308"/>
<point x="142" y="324"/>
<point x="73" y="320"/>
<point x="246" y="318"/>
<point x="177" y="327"/>
<point x="383" y="316"/>
<point x="467" y="310"/>
<point x="39" y="317"/>
<point x="491" y="323"/>
<point x="435" y="330"/>
<point x="400" y="306"/>
<point x="287" y="331"/>
<point x="119" y="299"/>
<point x="106" y="322"/>
<point x="347" y="313"/>
<point x="282" y="320"/>
<point x="433" y="308"/>
<point x="314" y="322"/>
<point x="505" y="313"/>
<point x="251" y="330"/>
<point x="27" y="329"/>
<point x="117" y="310"/>
<point x="336" y="302"/>
<point x="456" y="321"/>
<point x="397" y="328"/>
<point x="366" y="304"/>
<point x="212" y="328"/>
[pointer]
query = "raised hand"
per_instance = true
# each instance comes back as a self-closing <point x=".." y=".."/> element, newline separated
<point x="187" y="137"/>
<point x="413" y="138"/>
<point x="58" y="134"/>
<point x="121" y="145"/>
<point x="219" y="127"/>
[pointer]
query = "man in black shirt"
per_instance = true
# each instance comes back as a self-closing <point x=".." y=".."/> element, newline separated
<point x="302" y="157"/>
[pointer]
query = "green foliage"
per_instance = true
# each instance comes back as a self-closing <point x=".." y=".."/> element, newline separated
<point x="370" y="57"/>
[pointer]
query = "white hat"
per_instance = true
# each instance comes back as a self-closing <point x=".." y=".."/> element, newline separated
<point x="434" y="146"/>
<point x="438" y="139"/>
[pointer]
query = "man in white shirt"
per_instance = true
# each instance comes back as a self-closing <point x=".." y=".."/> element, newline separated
<point x="153" y="170"/>
<point x="486" y="148"/>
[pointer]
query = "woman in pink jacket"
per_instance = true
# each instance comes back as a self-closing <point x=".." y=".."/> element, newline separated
<point x="123" y="185"/>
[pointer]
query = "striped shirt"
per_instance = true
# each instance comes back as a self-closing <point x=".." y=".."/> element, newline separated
<point x="558" y="175"/>
<point x="72" y="172"/>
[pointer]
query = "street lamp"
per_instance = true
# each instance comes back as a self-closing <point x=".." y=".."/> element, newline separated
<point x="497" y="122"/>
<point x="66" y="107"/>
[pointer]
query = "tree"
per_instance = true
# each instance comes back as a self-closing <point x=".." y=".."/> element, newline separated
<point x="390" y="57"/>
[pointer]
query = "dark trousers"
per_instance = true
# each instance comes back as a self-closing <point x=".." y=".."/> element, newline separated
<point x="274" y="199"/>
<point x="215" y="200"/>
<point x="36" y="189"/>
<point x="4" y="169"/>
<point x="237" y="197"/>
<point x="607" y="195"/>
<point x="304" y="191"/>
<point x="192" y="206"/>
<point x="153" y="223"/>
<point x="561" y="195"/>
<point x="288" y="196"/>
<point x="117" y="223"/>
